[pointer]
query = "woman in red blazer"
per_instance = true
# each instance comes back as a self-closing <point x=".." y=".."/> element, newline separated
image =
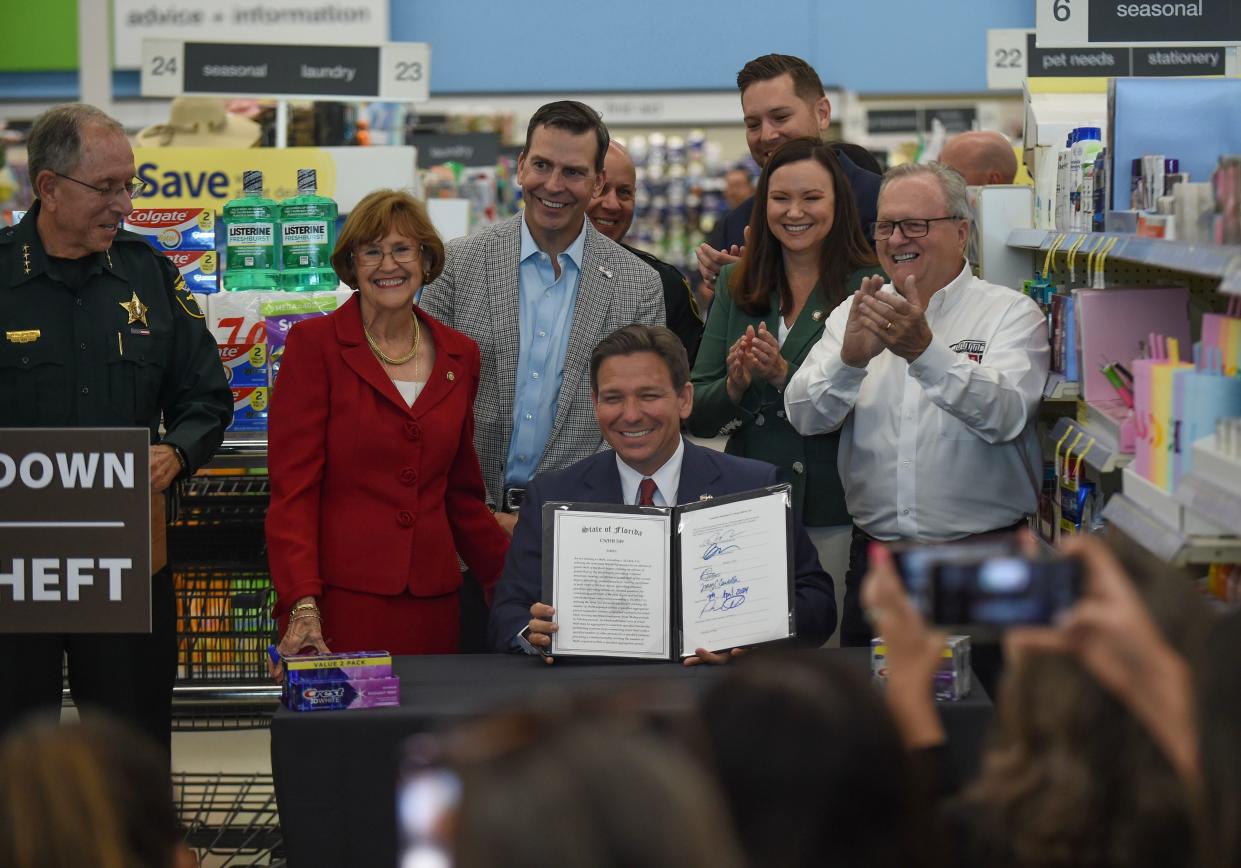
<point x="375" y="486"/>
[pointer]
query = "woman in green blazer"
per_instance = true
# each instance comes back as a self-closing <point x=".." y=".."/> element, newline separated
<point x="805" y="253"/>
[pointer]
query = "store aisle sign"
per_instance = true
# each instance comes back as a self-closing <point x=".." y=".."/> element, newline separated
<point x="209" y="177"/>
<point x="287" y="22"/>
<point x="956" y="119"/>
<point x="468" y="149"/>
<point x="75" y="530"/>
<point x="1014" y="54"/>
<point x="392" y="72"/>
<point x="1120" y="23"/>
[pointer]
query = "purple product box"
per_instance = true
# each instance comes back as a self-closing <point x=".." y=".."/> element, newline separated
<point x="336" y="695"/>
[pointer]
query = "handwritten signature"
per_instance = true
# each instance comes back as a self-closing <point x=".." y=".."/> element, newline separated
<point x="710" y="579"/>
<point x="729" y="600"/>
<point x="717" y="544"/>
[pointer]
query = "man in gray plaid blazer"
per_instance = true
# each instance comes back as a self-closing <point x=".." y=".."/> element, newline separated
<point x="537" y="292"/>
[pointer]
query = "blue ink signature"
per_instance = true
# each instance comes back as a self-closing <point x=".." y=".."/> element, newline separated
<point x="730" y="600"/>
<point x="715" y="544"/>
<point x="709" y="579"/>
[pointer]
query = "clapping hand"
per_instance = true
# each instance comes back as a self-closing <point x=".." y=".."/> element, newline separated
<point x="764" y="356"/>
<point x="860" y="343"/>
<point x="896" y="320"/>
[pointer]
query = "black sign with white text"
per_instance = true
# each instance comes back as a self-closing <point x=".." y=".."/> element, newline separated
<point x="75" y="530"/>
<point x="1185" y="60"/>
<point x="1076" y="62"/>
<point x="314" y="70"/>
<point x="956" y="119"/>
<point x="1194" y="21"/>
<point x="469" y="149"/>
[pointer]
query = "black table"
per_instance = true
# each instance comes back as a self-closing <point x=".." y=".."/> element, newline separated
<point x="336" y="771"/>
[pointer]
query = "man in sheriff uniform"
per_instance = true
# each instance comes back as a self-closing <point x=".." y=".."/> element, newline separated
<point x="99" y="330"/>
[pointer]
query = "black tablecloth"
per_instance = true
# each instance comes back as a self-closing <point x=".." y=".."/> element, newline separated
<point x="336" y="771"/>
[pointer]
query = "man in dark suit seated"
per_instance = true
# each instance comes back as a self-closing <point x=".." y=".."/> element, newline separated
<point x="639" y="378"/>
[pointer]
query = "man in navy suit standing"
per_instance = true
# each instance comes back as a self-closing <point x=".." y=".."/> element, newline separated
<point x="639" y="378"/>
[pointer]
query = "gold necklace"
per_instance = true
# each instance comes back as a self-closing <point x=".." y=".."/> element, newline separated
<point x="399" y="360"/>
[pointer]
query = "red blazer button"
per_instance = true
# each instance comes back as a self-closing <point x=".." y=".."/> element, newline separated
<point x="409" y="476"/>
<point x="405" y="519"/>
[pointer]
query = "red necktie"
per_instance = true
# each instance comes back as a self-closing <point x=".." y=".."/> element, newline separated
<point x="646" y="492"/>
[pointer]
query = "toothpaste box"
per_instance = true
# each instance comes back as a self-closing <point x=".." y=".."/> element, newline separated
<point x="353" y="666"/>
<point x="334" y="695"/>
<point x="249" y="408"/>
<point x="174" y="228"/>
<point x="237" y="317"/>
<point x="200" y="268"/>
<point x="244" y="364"/>
<point x="952" y="681"/>
<point x="282" y="314"/>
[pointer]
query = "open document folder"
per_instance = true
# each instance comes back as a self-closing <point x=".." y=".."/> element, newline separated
<point x="657" y="583"/>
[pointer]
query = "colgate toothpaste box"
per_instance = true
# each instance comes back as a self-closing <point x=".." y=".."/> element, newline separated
<point x="249" y="408"/>
<point x="244" y="364"/>
<point x="200" y="268"/>
<point x="335" y="695"/>
<point x="174" y="228"/>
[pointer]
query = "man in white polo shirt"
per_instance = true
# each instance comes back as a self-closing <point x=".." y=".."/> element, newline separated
<point x="935" y="380"/>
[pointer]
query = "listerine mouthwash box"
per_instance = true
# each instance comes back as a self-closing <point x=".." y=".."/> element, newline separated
<point x="250" y="233"/>
<point x="307" y="226"/>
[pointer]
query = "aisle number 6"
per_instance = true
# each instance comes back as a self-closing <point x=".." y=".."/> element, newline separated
<point x="1060" y="10"/>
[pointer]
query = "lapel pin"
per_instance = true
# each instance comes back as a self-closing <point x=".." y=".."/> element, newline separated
<point x="705" y="497"/>
<point x="817" y="315"/>
<point x="605" y="272"/>
<point x="451" y="376"/>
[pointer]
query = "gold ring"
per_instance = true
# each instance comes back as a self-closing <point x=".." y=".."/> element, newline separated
<point x="888" y="326"/>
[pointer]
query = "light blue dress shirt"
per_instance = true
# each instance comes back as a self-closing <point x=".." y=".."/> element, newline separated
<point x="546" y="316"/>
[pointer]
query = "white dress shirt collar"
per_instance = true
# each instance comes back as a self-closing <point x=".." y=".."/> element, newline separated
<point x="943" y="301"/>
<point x="667" y="479"/>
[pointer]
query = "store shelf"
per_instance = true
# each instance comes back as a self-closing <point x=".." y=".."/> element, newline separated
<point x="1205" y="499"/>
<point x="1216" y="261"/>
<point x="1165" y="543"/>
<point x="1102" y="455"/>
<point x="1059" y="389"/>
<point x="241" y="452"/>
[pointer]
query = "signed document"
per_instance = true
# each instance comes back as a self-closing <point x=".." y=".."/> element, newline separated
<point x="736" y="587"/>
<point x="657" y="583"/>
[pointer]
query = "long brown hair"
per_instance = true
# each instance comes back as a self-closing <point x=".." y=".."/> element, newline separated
<point x="761" y="270"/>
<point x="1073" y="778"/>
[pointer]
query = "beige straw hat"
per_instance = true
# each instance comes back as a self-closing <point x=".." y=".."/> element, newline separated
<point x="201" y="122"/>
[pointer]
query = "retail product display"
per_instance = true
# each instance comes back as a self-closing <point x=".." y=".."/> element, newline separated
<point x="678" y="196"/>
<point x="307" y="237"/>
<point x="952" y="681"/>
<point x="330" y="682"/>
<point x="187" y="237"/>
<point x="250" y="229"/>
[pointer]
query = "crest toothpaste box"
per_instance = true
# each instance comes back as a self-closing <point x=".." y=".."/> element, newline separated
<point x="249" y="408"/>
<point x="174" y="228"/>
<point x="199" y="268"/>
<point x="335" y="695"/>
<point x="244" y="364"/>
<point x="352" y="666"/>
